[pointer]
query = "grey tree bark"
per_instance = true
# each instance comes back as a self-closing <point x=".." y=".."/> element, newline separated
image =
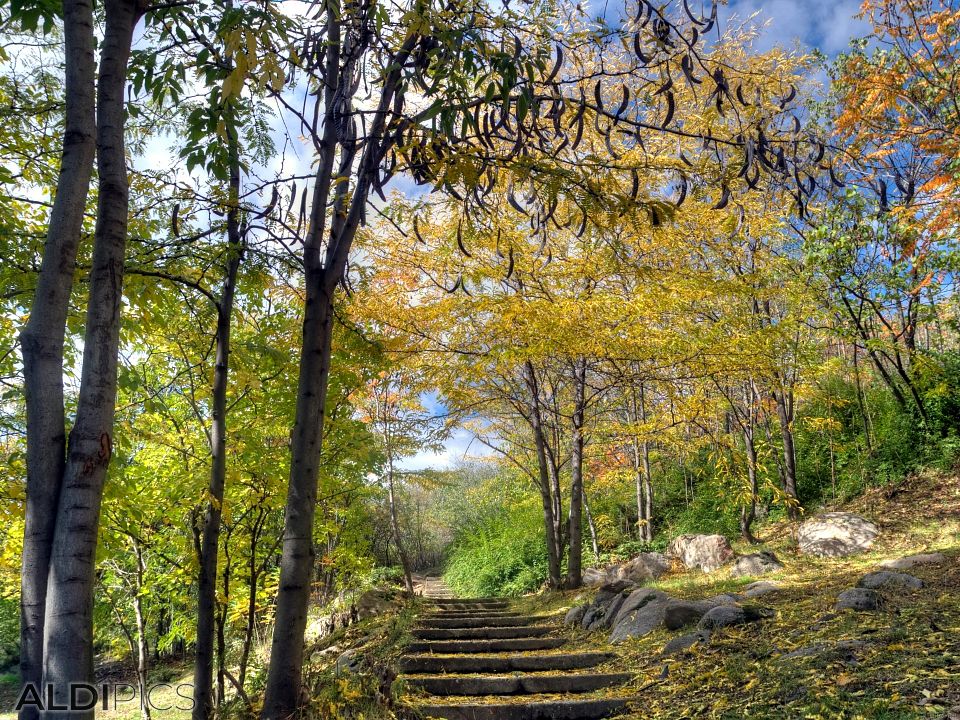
<point x="785" y="410"/>
<point x="143" y="650"/>
<point x="42" y="339"/>
<point x="575" y="528"/>
<point x="323" y="271"/>
<point x="68" y="632"/>
<point x="554" y="578"/>
<point x="210" y="543"/>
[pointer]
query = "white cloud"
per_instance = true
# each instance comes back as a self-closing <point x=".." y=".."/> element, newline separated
<point x="824" y="24"/>
<point x="461" y="446"/>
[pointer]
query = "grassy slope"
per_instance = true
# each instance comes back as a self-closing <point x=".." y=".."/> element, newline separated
<point x="908" y="665"/>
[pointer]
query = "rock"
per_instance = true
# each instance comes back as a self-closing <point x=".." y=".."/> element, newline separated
<point x="885" y="580"/>
<point x="575" y="615"/>
<point x="905" y="563"/>
<point x="642" y="613"/>
<point x="836" y="534"/>
<point x="685" y="642"/>
<point x="638" y="599"/>
<point x="679" y="614"/>
<point x="349" y="662"/>
<point x="609" y="591"/>
<point x="645" y="566"/>
<point x="600" y="613"/>
<point x="706" y="552"/>
<point x="375" y="602"/>
<point x="641" y="620"/>
<point x="760" y="588"/>
<point x="759" y="563"/>
<point x="592" y="577"/>
<point x="727" y="615"/>
<point x="724" y="599"/>
<point x="863" y="599"/>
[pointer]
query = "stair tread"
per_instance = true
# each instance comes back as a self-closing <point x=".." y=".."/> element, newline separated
<point x="546" y="708"/>
<point x="526" y="684"/>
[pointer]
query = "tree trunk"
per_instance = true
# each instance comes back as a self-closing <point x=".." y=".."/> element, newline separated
<point x="748" y="512"/>
<point x="575" y="527"/>
<point x="42" y="339"/>
<point x="536" y="421"/>
<point x="641" y="464"/>
<point x="207" y="582"/>
<point x="222" y="628"/>
<point x="395" y="525"/>
<point x="323" y="271"/>
<point x="253" y="568"/>
<point x="594" y="544"/>
<point x="68" y="635"/>
<point x="142" y="648"/>
<point x="784" y="402"/>
<point x="861" y="399"/>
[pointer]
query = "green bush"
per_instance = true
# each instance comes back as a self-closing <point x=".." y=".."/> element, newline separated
<point x="9" y="632"/>
<point x="503" y="553"/>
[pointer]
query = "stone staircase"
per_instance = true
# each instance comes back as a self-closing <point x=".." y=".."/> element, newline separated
<point x="478" y="660"/>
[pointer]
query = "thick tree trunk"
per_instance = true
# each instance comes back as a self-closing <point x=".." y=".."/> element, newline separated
<point x="323" y="272"/>
<point x="296" y="565"/>
<point x="575" y="527"/>
<point x="554" y="579"/>
<point x="68" y="635"/>
<point x="207" y="592"/>
<point x="42" y="339"/>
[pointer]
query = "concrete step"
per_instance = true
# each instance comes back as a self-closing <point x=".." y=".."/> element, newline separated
<point x="453" y="647"/>
<point x="472" y="621"/>
<point x="537" y="710"/>
<point x="472" y="613"/>
<point x="500" y="663"/>
<point x="481" y="633"/>
<point x="517" y="684"/>
<point x="461" y="603"/>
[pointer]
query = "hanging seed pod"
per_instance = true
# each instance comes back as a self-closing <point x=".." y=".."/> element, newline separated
<point x="724" y="199"/>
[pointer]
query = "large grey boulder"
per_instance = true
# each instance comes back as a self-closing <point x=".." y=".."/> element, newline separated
<point x="592" y="577"/>
<point x="600" y="613"/>
<point x="645" y="566"/>
<point x="703" y="552"/>
<point x="646" y="610"/>
<point x="575" y="615"/>
<point x="727" y="615"/>
<point x="349" y="662"/>
<point x="760" y="588"/>
<point x="887" y="580"/>
<point x="910" y="561"/>
<point x="376" y="602"/>
<point x="836" y="534"/>
<point x="760" y="563"/>
<point x="863" y="599"/>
